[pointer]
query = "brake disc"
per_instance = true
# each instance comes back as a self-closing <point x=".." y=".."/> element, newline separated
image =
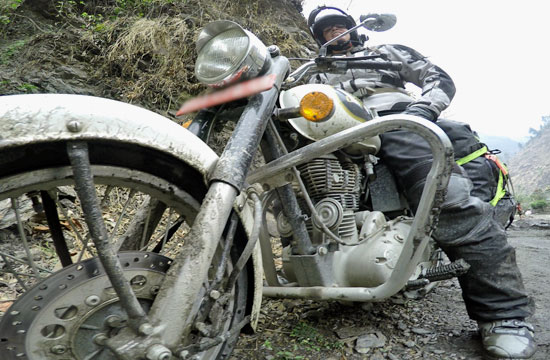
<point x="71" y="314"/>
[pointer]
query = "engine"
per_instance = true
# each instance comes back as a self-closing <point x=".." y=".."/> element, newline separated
<point x="369" y="245"/>
<point x="335" y="189"/>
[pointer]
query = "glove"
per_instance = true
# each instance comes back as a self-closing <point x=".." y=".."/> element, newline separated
<point x="421" y="111"/>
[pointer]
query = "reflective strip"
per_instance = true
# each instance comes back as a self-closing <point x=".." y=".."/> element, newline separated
<point x="500" y="186"/>
<point x="500" y="190"/>
<point x="472" y="156"/>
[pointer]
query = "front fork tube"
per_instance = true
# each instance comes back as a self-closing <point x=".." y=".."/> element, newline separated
<point x="175" y="305"/>
<point x="80" y="163"/>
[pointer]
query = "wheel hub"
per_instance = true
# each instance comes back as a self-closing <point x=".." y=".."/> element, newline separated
<point x="72" y="313"/>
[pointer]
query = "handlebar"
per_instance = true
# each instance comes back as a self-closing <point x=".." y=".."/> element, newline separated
<point x="340" y="66"/>
<point x="378" y="65"/>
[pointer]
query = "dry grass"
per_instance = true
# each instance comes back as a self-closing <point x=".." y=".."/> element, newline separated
<point x="138" y="51"/>
<point x="150" y="60"/>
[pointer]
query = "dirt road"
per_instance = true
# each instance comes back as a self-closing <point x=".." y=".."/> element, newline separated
<point x="436" y="327"/>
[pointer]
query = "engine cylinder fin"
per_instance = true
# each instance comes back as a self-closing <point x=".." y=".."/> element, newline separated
<point x="330" y="178"/>
<point x="348" y="228"/>
<point x="326" y="176"/>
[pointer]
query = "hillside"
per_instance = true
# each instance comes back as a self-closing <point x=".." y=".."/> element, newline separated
<point x="136" y="51"/>
<point x="507" y="146"/>
<point x="530" y="167"/>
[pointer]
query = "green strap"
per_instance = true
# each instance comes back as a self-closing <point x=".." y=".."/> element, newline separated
<point x="500" y="190"/>
<point x="472" y="156"/>
<point x="500" y="187"/>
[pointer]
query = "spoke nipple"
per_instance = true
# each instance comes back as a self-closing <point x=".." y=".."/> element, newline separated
<point x="146" y="329"/>
<point x="58" y="349"/>
<point x="74" y="126"/>
<point x="158" y="352"/>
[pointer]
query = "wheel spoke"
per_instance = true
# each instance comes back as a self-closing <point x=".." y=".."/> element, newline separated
<point x="7" y="271"/>
<point x="52" y="217"/>
<point x="131" y="201"/>
<point x="10" y="269"/>
<point x="84" y="248"/>
<point x="171" y="231"/>
<point x="143" y="225"/>
<point x="168" y="224"/>
<point x="72" y="225"/>
<point x="15" y="206"/>
<point x="145" y="229"/>
<point x="122" y="213"/>
<point x="23" y="262"/>
<point x="106" y="194"/>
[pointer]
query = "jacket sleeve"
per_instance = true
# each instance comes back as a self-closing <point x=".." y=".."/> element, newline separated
<point x="438" y="88"/>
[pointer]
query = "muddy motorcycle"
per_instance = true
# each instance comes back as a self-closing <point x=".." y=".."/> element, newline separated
<point x="125" y="236"/>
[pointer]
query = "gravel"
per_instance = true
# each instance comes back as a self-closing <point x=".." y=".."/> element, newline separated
<point x="435" y="327"/>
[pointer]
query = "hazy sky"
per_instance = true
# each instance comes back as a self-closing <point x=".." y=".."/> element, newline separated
<point x="497" y="53"/>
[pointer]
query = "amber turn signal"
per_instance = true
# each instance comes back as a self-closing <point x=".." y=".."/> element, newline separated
<point x="316" y="106"/>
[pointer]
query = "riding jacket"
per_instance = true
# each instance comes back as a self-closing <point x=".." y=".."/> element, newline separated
<point x="384" y="90"/>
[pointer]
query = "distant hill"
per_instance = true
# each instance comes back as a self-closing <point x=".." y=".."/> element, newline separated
<point x="508" y="146"/>
<point x="530" y="167"/>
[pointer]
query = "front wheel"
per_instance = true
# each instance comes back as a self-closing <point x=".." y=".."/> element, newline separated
<point x="55" y="300"/>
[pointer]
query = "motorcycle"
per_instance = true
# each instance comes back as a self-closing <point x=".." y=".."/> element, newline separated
<point x="158" y="248"/>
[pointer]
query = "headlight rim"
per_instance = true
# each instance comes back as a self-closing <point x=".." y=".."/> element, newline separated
<point x="248" y="66"/>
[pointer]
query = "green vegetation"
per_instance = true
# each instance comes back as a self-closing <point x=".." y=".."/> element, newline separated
<point x="311" y="339"/>
<point x="538" y="201"/>
<point x="27" y="88"/>
<point x="10" y="51"/>
<point x="308" y="343"/>
<point x="7" y="8"/>
<point x="267" y="345"/>
<point x="288" y="355"/>
<point x="540" y="205"/>
<point x="137" y="51"/>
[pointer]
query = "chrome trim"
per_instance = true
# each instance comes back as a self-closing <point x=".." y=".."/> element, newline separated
<point x="250" y="64"/>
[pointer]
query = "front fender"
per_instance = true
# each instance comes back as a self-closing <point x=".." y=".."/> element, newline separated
<point x="37" y="118"/>
<point x="28" y="119"/>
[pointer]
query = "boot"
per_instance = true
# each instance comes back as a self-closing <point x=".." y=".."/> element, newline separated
<point x="508" y="339"/>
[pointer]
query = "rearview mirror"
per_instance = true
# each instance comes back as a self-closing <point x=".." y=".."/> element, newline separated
<point x="378" y="22"/>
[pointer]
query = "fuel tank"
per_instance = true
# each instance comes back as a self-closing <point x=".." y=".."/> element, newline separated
<point x="348" y="112"/>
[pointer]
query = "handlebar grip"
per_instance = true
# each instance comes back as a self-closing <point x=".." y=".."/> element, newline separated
<point x="379" y="65"/>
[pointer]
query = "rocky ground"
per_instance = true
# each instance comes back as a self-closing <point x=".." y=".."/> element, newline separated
<point x="436" y="327"/>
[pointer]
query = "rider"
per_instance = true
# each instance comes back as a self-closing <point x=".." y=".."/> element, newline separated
<point x="471" y="223"/>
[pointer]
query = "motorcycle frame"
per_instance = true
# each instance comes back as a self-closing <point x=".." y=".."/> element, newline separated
<point x="278" y="173"/>
<point x="157" y="330"/>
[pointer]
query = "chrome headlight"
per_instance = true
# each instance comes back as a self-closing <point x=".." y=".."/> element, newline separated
<point x="228" y="53"/>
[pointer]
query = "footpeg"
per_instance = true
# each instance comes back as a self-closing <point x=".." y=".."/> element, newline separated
<point x="444" y="272"/>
